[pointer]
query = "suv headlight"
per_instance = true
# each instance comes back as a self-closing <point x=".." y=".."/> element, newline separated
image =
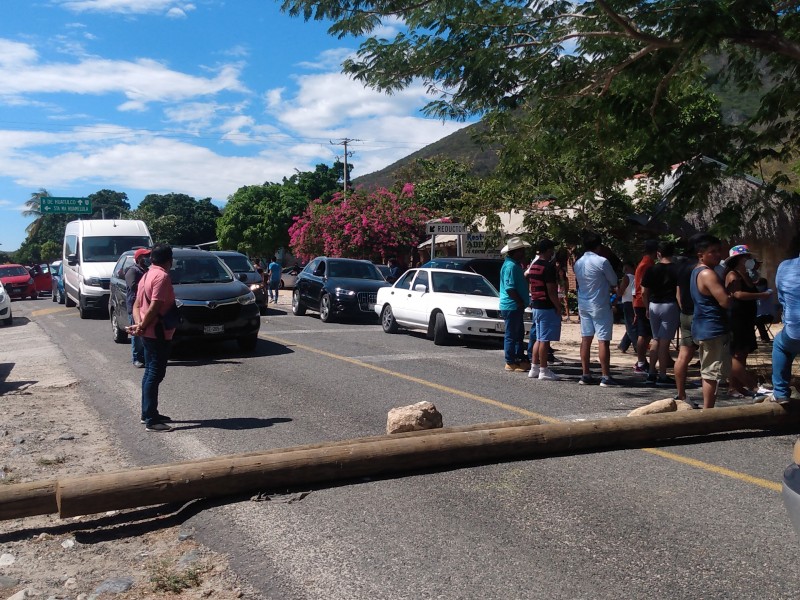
<point x="93" y="281"/>
<point x="248" y="298"/>
<point x="469" y="312"/>
<point x="255" y="286"/>
<point x="344" y="292"/>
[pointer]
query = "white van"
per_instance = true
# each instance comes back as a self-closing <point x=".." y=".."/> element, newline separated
<point x="91" y="249"/>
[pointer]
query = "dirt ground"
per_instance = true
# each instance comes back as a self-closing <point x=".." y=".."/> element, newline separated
<point x="47" y="431"/>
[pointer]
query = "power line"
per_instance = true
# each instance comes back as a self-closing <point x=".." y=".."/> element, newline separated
<point x="344" y="142"/>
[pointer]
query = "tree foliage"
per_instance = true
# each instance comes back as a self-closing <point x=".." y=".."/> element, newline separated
<point x="322" y="182"/>
<point x="257" y="218"/>
<point x="108" y="204"/>
<point x="178" y="219"/>
<point x="372" y="225"/>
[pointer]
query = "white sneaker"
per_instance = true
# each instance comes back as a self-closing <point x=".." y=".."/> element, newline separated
<point x="764" y="390"/>
<point x="546" y="374"/>
<point x="534" y="372"/>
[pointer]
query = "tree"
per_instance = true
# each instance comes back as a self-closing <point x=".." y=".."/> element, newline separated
<point x="322" y="182"/>
<point x="257" y="218"/>
<point x="178" y="219"/>
<point x="373" y="225"/>
<point x="108" y="204"/>
<point x="33" y="209"/>
<point x="631" y="59"/>
<point x="50" y="251"/>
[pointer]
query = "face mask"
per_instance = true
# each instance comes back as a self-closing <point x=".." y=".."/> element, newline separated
<point x="749" y="264"/>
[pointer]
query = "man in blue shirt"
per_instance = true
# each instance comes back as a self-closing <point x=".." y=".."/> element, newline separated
<point x="786" y="345"/>
<point x="274" y="271"/>
<point x="514" y="298"/>
<point x="595" y="278"/>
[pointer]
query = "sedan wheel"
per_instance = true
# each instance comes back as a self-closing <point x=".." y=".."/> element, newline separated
<point x="120" y="336"/>
<point x="297" y="308"/>
<point x="325" y="309"/>
<point x="440" y="335"/>
<point x="387" y="320"/>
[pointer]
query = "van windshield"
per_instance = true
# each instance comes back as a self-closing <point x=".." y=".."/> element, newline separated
<point x="109" y="248"/>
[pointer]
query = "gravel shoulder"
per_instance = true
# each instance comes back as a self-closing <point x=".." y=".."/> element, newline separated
<point x="47" y="431"/>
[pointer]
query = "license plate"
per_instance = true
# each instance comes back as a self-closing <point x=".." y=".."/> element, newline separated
<point x="500" y="327"/>
<point x="213" y="328"/>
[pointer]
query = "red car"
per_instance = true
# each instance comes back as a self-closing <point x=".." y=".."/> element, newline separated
<point x="42" y="278"/>
<point x="18" y="281"/>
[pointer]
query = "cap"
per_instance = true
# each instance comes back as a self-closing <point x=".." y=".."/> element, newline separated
<point x="140" y="253"/>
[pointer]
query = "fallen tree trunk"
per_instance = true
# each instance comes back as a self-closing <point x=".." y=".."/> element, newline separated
<point x="291" y="468"/>
<point x="39" y="498"/>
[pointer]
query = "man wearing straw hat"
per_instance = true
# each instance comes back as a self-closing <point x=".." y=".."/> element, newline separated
<point x="514" y="298"/>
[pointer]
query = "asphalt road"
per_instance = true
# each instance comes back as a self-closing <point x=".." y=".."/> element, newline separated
<point x="698" y="519"/>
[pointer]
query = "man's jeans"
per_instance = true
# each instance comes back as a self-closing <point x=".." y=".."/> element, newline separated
<point x="156" y="355"/>
<point x="630" y="336"/>
<point x="784" y="351"/>
<point x="513" y="341"/>
<point x="137" y="348"/>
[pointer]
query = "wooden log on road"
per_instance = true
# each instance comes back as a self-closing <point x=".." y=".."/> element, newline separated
<point x="39" y="498"/>
<point x="293" y="467"/>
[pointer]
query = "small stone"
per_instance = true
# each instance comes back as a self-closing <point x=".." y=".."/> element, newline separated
<point x="659" y="406"/>
<point x="66" y="436"/>
<point x="7" y="582"/>
<point x="82" y="597"/>
<point x="20" y="595"/>
<point x="117" y="585"/>
<point x="188" y="559"/>
<point x="185" y="534"/>
<point x="71" y="583"/>
<point x="6" y="560"/>
<point x="415" y="417"/>
<point x="19" y="440"/>
<point x="207" y="593"/>
<point x="68" y="543"/>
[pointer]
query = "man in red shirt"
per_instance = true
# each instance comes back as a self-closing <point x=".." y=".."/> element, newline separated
<point x="640" y="319"/>
<point x="154" y="313"/>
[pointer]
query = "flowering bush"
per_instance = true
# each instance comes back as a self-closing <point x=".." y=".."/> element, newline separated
<point x="372" y="225"/>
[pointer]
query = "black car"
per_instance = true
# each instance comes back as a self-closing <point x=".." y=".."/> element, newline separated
<point x="213" y="303"/>
<point x="488" y="267"/>
<point x="337" y="286"/>
<point x="241" y="265"/>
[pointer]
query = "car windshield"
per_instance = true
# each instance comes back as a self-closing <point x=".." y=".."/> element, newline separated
<point x="353" y="270"/>
<point x="238" y="264"/>
<point x="13" y="271"/>
<point x="108" y="248"/>
<point x="198" y="269"/>
<point x="462" y="283"/>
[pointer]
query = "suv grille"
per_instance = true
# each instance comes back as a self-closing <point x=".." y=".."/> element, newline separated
<point x="202" y="315"/>
<point x="365" y="299"/>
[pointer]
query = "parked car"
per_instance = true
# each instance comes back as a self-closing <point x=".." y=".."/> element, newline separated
<point x="337" y="286"/>
<point x="42" y="278"/>
<point x="5" y="306"/>
<point x="289" y="276"/>
<point x="57" y="271"/>
<point x="241" y="265"/>
<point x="488" y="267"/>
<point x="443" y="303"/>
<point x="17" y="281"/>
<point x="212" y="302"/>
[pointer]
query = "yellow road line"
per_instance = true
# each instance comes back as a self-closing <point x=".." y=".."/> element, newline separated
<point x="49" y="311"/>
<point x="698" y="464"/>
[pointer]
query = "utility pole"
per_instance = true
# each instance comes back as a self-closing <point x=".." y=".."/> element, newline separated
<point x="344" y="142"/>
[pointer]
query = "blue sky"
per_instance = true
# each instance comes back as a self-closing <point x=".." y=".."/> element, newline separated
<point x="200" y="97"/>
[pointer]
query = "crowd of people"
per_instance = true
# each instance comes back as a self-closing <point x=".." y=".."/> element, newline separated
<point x="712" y="307"/>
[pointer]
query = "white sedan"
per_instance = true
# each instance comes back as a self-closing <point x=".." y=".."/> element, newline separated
<point x="5" y="306"/>
<point x="442" y="302"/>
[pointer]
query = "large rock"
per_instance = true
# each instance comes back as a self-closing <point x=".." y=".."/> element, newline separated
<point x="416" y="417"/>
<point x="659" y="406"/>
<point x="681" y="405"/>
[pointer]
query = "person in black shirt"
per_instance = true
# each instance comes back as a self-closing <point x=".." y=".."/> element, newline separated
<point x="543" y="282"/>
<point x="659" y="291"/>
<point x="687" y="346"/>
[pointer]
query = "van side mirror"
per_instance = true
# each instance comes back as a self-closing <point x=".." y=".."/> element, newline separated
<point x="72" y="259"/>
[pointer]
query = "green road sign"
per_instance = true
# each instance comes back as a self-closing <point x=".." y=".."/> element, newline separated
<point x="50" y="205"/>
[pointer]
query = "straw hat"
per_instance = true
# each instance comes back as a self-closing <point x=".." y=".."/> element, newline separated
<point x="514" y="243"/>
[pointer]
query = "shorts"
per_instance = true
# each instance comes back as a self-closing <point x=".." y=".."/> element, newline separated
<point x="664" y="319"/>
<point x="715" y="358"/>
<point x="642" y="322"/>
<point x="686" y="330"/>
<point x="547" y="322"/>
<point x="596" y="321"/>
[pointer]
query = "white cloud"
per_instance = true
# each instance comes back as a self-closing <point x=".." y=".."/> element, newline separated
<point x="128" y="7"/>
<point x="328" y="60"/>
<point x="142" y="81"/>
<point x="389" y="27"/>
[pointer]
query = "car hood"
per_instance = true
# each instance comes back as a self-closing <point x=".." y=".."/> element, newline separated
<point x="210" y="291"/>
<point x="469" y="301"/>
<point x="16" y="279"/>
<point x="355" y="284"/>
<point x="251" y="277"/>
<point x="102" y="270"/>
